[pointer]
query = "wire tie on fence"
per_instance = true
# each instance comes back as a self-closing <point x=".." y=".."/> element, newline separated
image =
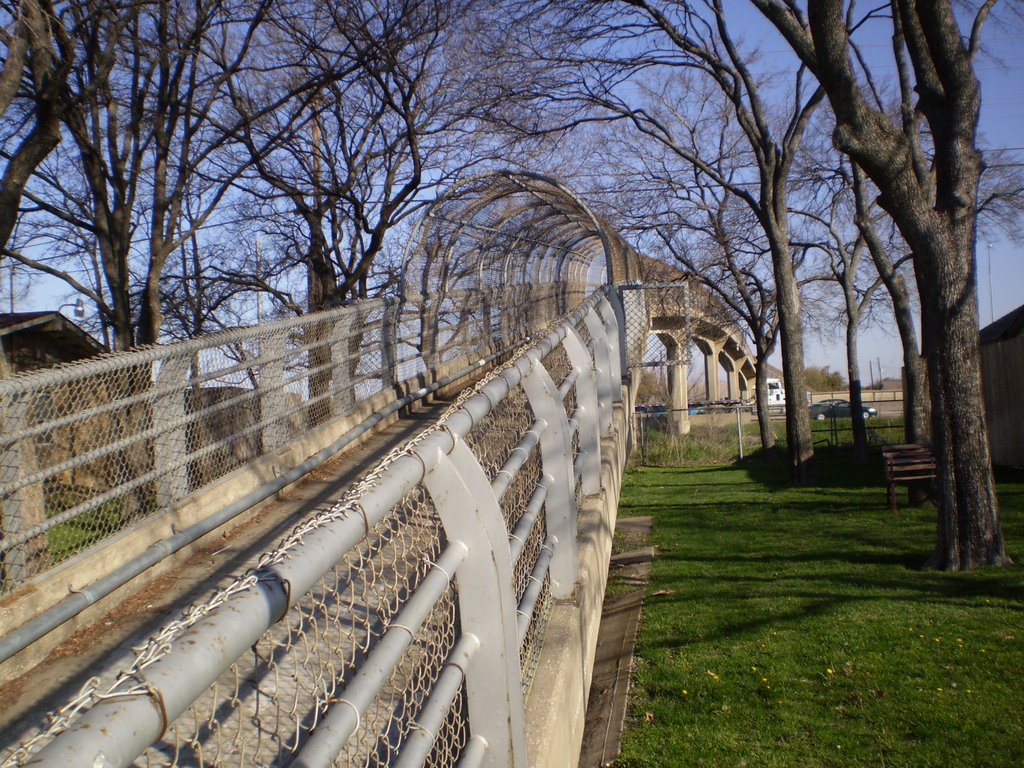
<point x="287" y="586"/>
<point x="513" y="537"/>
<point x="396" y="625"/>
<point x="416" y="455"/>
<point x="487" y="397"/>
<point x="141" y="688"/>
<point x="452" y="435"/>
<point x="366" y="520"/>
<point x="73" y="591"/>
<point x="354" y="709"/>
<point x="534" y="579"/>
<point x="432" y="564"/>
<point x="414" y="726"/>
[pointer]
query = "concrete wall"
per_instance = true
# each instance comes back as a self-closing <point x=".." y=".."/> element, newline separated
<point x="557" y="704"/>
<point x="1002" y="371"/>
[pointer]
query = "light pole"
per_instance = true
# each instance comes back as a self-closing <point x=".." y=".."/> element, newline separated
<point x="79" y="306"/>
<point x="991" y="316"/>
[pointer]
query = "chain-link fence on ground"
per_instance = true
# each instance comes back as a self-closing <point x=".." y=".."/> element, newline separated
<point x="716" y="434"/>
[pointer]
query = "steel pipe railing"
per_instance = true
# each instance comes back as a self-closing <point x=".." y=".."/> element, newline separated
<point x="432" y="495"/>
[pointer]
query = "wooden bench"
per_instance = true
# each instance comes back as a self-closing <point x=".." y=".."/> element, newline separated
<point x="906" y="463"/>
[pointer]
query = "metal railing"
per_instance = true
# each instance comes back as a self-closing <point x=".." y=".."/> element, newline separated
<point x="400" y="626"/>
<point x="89" y="449"/>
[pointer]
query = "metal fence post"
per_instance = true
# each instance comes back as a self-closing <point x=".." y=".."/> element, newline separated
<point x="273" y="398"/>
<point x="611" y="309"/>
<point x="588" y="427"/>
<point x="22" y="508"/>
<point x="603" y="356"/>
<point x="343" y="395"/>
<point x="739" y="430"/>
<point x="470" y="512"/>
<point x="171" y="442"/>
<point x="556" y="460"/>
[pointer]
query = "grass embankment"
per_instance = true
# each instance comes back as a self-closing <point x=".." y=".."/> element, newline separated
<point x="794" y="627"/>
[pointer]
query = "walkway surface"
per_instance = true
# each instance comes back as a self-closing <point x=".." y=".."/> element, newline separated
<point x="105" y="647"/>
<point x="613" y="663"/>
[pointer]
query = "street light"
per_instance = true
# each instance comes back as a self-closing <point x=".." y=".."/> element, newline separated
<point x="79" y="306"/>
<point x="991" y="312"/>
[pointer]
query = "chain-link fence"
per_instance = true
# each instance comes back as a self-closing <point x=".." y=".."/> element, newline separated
<point x="399" y="627"/>
<point x="715" y="434"/>
<point x="88" y="449"/>
<point x="722" y="433"/>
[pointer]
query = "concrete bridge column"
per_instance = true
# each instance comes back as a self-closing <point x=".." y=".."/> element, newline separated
<point x="732" y="376"/>
<point x="711" y="351"/>
<point x="744" y="382"/>
<point x="678" y="401"/>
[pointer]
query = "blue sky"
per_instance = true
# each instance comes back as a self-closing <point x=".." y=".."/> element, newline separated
<point x="1001" y="287"/>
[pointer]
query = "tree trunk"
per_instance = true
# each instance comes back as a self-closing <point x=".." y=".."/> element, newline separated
<point x="42" y="140"/>
<point x="968" y="532"/>
<point x="322" y="292"/>
<point x="764" y="424"/>
<point x="915" y="393"/>
<point x="151" y="315"/>
<point x="916" y="413"/>
<point x="860" y="433"/>
<point x="799" y="441"/>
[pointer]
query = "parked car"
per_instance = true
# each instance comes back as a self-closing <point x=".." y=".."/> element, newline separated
<point x="652" y="409"/>
<point x="838" y="409"/>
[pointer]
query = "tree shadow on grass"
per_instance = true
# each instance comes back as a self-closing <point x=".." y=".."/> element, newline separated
<point x="769" y="555"/>
<point x="771" y="595"/>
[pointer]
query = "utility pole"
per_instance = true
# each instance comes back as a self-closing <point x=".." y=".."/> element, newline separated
<point x="991" y="316"/>
<point x="259" y="291"/>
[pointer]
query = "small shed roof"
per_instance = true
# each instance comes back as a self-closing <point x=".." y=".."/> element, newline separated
<point x="1007" y="327"/>
<point x="60" y="334"/>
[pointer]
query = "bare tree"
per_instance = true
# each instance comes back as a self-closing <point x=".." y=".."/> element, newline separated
<point x="387" y="125"/>
<point x="675" y="209"/>
<point x="834" y="233"/>
<point x="152" y="128"/>
<point x="926" y="166"/>
<point x="618" y="49"/>
<point x="37" y="58"/>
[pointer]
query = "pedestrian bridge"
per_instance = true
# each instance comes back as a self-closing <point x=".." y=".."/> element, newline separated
<point x="442" y="610"/>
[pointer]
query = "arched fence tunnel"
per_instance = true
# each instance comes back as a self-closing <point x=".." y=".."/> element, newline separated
<point x="406" y="623"/>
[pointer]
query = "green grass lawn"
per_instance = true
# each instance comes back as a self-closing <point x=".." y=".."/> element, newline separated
<point x="794" y="627"/>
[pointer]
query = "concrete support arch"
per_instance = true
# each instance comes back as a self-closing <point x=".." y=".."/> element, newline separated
<point x="678" y="397"/>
